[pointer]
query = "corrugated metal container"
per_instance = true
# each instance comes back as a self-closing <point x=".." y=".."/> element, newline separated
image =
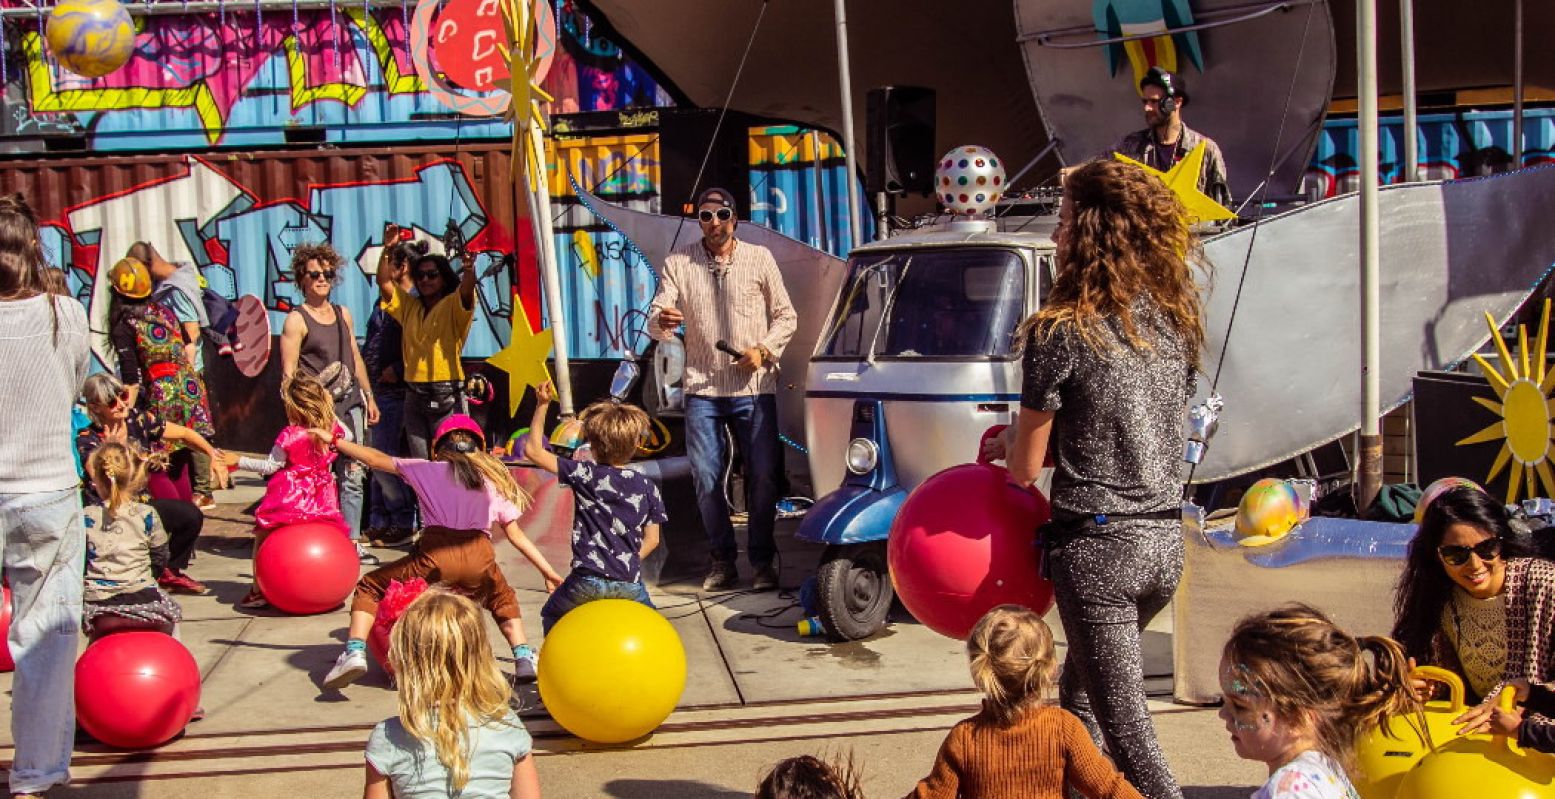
<point x="606" y="283"/>
<point x="798" y="181"/>
<point x="1451" y="146"/>
<point x="238" y="215"/>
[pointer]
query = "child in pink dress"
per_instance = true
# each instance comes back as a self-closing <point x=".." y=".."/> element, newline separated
<point x="302" y="484"/>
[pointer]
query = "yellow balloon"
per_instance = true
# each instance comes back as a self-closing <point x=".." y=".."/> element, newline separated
<point x="612" y="670"/>
<point x="1405" y="765"/>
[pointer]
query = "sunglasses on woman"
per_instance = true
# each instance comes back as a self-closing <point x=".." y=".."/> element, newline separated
<point x="722" y="215"/>
<point x="327" y="274"/>
<point x="1456" y="555"/>
<point x="428" y="274"/>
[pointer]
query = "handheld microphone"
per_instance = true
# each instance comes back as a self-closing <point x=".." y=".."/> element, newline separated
<point x="724" y="347"/>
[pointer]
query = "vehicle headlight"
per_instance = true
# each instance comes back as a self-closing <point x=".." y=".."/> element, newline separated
<point x="862" y="455"/>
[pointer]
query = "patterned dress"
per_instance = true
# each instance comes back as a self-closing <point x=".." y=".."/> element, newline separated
<point x="303" y="490"/>
<point x="169" y="385"/>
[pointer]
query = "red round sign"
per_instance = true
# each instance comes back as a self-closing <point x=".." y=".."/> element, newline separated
<point x="469" y="41"/>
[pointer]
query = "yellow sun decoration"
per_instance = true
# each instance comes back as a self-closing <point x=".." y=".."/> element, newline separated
<point x="1523" y="387"/>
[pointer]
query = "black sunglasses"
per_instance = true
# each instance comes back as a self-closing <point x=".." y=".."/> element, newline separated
<point x="327" y="274"/>
<point x="428" y="274"/>
<point x="1455" y="555"/>
<point x="723" y="215"/>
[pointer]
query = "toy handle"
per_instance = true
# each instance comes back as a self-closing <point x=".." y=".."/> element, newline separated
<point x="991" y="432"/>
<point x="1454" y="683"/>
<point x="1506" y="700"/>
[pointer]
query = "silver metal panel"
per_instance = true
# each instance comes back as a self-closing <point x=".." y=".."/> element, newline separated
<point x="813" y="278"/>
<point x="1237" y="99"/>
<point x="1450" y="253"/>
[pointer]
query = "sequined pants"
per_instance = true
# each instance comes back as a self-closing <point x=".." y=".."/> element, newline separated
<point x="1110" y="581"/>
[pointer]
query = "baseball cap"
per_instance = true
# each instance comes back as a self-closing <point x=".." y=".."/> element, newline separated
<point x="716" y="196"/>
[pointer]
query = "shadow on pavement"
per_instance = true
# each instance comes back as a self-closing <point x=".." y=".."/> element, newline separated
<point x="682" y="789"/>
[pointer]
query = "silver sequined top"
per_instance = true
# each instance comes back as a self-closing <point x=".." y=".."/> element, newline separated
<point x="1118" y="435"/>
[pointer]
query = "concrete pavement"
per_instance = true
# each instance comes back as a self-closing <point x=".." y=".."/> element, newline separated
<point x="756" y="693"/>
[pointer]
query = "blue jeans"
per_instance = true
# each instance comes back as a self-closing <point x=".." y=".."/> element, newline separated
<point x="580" y="588"/>
<point x="392" y="503"/>
<point x="45" y="556"/>
<point x="350" y="474"/>
<point x="755" y="428"/>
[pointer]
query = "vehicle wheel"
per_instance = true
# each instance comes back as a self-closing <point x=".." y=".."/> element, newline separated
<point x="854" y="590"/>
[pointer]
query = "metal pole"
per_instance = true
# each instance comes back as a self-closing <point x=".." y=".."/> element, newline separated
<point x="854" y="227"/>
<point x="540" y="206"/>
<point x="1406" y="25"/>
<point x="1517" y="87"/>
<point x="817" y="192"/>
<point x="1369" y="478"/>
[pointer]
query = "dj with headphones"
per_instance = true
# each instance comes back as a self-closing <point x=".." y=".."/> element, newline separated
<point x="1167" y="140"/>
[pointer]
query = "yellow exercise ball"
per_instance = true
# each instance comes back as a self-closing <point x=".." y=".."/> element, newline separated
<point x="1385" y="757"/>
<point x="90" y="37"/>
<point x="611" y="671"/>
<point x="1434" y="762"/>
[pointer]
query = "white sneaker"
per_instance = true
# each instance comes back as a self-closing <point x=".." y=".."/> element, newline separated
<point x="349" y="668"/>
<point x="366" y="558"/>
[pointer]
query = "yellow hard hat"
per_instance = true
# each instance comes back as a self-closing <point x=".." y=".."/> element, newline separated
<point x="130" y="278"/>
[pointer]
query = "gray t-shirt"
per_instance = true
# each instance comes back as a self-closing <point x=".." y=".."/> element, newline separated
<point x="43" y="374"/>
<point x="413" y="769"/>
<point x="1118" y="436"/>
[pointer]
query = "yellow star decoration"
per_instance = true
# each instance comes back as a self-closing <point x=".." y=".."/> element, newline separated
<point x="524" y="111"/>
<point x="1183" y="180"/>
<point x="523" y="358"/>
<point x="1524" y="387"/>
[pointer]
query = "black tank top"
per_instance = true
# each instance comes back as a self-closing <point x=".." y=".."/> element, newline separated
<point x="327" y="344"/>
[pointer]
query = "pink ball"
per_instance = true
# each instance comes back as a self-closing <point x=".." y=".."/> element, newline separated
<point x="6" y="662"/>
<point x="136" y="690"/>
<point x="307" y="568"/>
<point x="964" y="542"/>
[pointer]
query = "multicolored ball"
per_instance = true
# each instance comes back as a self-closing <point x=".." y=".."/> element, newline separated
<point x="1270" y="509"/>
<point x="90" y="37"/>
<point x="969" y="180"/>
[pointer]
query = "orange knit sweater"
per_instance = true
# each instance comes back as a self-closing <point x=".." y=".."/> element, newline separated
<point x="1032" y="759"/>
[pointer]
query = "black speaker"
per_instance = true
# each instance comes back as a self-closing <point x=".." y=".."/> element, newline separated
<point x="900" y="140"/>
<point x="685" y="137"/>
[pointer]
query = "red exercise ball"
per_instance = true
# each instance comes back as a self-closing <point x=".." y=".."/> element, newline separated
<point x="6" y="662"/>
<point x="307" y="568"/>
<point x="964" y="542"/>
<point x="136" y="690"/>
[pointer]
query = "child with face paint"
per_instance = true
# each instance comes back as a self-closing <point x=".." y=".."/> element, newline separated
<point x="1018" y="745"/>
<point x="1298" y="694"/>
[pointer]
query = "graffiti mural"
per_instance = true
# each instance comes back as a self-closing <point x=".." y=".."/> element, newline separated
<point x="606" y="283"/>
<point x="1451" y="146"/>
<point x="241" y="79"/>
<point x="243" y="242"/>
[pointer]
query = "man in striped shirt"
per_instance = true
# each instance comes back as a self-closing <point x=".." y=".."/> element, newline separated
<point x="729" y="295"/>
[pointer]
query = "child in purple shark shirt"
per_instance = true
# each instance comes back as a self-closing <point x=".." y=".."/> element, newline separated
<point x="616" y="510"/>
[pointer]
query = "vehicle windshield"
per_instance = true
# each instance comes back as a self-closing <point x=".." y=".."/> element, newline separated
<point x="951" y="303"/>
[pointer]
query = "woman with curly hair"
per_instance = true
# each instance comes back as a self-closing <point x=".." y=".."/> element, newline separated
<point x="1109" y="366"/>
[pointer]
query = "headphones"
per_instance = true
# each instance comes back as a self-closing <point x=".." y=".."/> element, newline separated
<point x="1160" y="77"/>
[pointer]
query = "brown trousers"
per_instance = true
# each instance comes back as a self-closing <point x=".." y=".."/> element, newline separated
<point x="462" y="560"/>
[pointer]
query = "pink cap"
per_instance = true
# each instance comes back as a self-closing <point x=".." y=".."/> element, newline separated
<point x="458" y="421"/>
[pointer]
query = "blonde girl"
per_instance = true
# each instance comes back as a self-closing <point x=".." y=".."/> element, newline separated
<point x="1018" y="745"/>
<point x="302" y="481"/>
<point x="455" y="734"/>
<point x="465" y="494"/>
<point x="1298" y="693"/>
<point x="126" y="548"/>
